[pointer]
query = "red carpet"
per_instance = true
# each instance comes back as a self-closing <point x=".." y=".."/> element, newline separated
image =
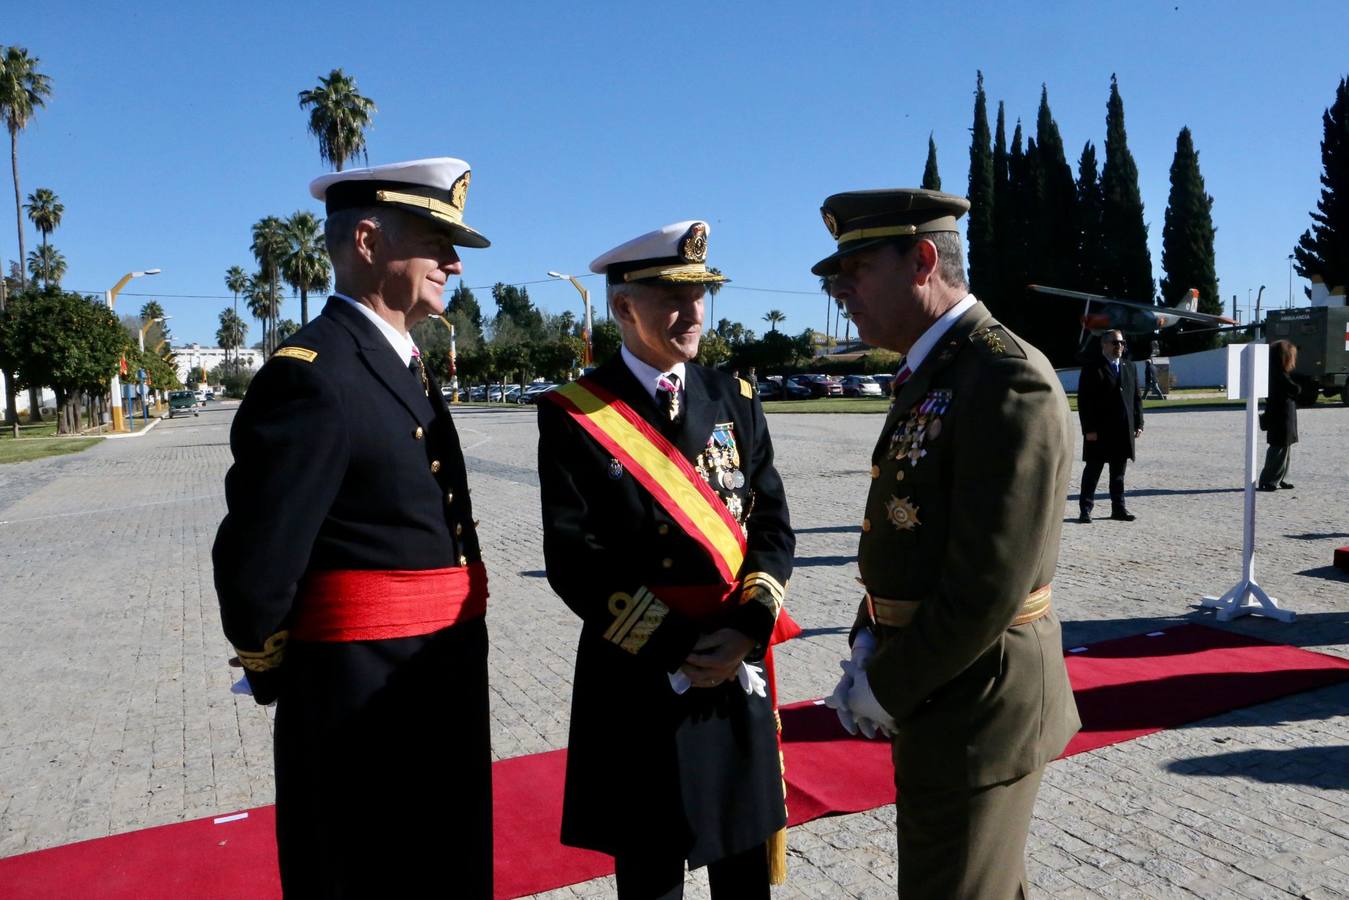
<point x="1125" y="688"/>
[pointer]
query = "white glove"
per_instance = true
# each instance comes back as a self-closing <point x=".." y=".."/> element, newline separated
<point x="751" y="679"/>
<point x="863" y="646"/>
<point x="871" y="716"/>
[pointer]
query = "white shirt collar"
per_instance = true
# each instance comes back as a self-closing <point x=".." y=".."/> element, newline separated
<point x="649" y="376"/>
<point x="402" y="344"/>
<point x="923" y="346"/>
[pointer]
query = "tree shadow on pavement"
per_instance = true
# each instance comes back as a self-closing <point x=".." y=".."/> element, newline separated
<point x="1325" y="768"/>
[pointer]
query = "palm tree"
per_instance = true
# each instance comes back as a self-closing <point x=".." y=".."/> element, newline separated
<point x="23" y="90"/>
<point x="258" y="299"/>
<point x="235" y="281"/>
<point x="713" y="288"/>
<point x="47" y="264"/>
<point x="773" y="317"/>
<point x="44" y="211"/>
<point x="305" y="265"/>
<point x="232" y="331"/>
<point x="338" y="117"/>
<point x="269" y="248"/>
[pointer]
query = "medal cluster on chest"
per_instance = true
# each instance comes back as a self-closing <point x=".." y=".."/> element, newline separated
<point x="719" y="465"/>
<point x="924" y="421"/>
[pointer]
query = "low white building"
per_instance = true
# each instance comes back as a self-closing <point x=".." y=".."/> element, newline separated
<point x="192" y="358"/>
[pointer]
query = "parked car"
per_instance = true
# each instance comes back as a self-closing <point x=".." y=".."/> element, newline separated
<point x="884" y="382"/>
<point x="533" y="392"/>
<point x="477" y="393"/>
<point x="182" y="402"/>
<point x="819" y="385"/>
<point x="200" y="394"/>
<point x="860" y="386"/>
<point x="494" y="392"/>
<point x="775" y="388"/>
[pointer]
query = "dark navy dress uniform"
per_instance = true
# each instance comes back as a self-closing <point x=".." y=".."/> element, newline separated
<point x="652" y="774"/>
<point x="344" y="462"/>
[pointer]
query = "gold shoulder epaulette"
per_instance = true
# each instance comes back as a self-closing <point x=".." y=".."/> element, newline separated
<point x="996" y="341"/>
<point x="745" y="390"/>
<point x="299" y="353"/>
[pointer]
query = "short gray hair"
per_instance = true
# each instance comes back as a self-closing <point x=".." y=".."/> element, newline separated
<point x="950" y="258"/>
<point x="340" y="225"/>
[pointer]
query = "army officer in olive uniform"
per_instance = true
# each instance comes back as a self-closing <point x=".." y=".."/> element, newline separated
<point x="673" y="755"/>
<point x="348" y="570"/>
<point x="957" y="653"/>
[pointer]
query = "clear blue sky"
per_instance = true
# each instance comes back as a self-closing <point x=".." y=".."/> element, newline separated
<point x="172" y="129"/>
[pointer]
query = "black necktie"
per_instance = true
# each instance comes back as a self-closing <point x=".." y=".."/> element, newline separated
<point x="667" y="394"/>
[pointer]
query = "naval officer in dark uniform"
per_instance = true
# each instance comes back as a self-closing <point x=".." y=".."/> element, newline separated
<point x="348" y="570"/>
<point x="673" y="755"/>
<point x="957" y="652"/>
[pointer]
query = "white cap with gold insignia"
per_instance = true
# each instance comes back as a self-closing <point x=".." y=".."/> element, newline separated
<point x="435" y="189"/>
<point x="675" y="254"/>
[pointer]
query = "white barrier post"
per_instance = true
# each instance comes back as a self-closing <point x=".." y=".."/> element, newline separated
<point x="1248" y="378"/>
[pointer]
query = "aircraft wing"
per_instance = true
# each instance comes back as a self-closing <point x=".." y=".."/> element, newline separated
<point x="1163" y="310"/>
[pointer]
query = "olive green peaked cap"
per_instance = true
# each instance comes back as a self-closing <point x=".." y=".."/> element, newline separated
<point x="861" y="219"/>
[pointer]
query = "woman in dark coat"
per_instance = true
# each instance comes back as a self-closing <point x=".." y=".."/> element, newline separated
<point x="1280" y="417"/>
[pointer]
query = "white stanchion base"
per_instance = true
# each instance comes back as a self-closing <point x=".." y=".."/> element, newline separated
<point x="1245" y="599"/>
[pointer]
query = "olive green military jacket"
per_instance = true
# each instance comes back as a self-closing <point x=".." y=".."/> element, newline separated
<point x="969" y="481"/>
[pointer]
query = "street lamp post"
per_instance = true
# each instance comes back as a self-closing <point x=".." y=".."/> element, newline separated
<point x="145" y="328"/>
<point x="1290" y="281"/>
<point x="118" y="423"/>
<point x="454" y="372"/>
<point x="588" y="357"/>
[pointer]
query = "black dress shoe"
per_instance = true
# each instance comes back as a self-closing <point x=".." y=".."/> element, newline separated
<point x="1123" y="515"/>
<point x="1084" y="519"/>
<point x="1267" y="487"/>
<point x="1285" y="485"/>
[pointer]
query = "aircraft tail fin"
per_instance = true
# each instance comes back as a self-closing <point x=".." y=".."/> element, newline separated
<point x="1190" y="303"/>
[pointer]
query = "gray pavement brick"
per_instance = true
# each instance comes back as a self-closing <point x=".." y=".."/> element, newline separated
<point x="118" y="712"/>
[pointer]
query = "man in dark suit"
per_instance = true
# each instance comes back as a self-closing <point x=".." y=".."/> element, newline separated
<point x="666" y="530"/>
<point x="956" y="651"/>
<point x="1110" y="408"/>
<point x="348" y="569"/>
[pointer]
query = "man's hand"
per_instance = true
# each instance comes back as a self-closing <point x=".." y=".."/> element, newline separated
<point x="863" y="646"/>
<point x="716" y="657"/>
<point x="871" y="716"/>
<point x="1138" y="433"/>
<point x="1090" y="436"/>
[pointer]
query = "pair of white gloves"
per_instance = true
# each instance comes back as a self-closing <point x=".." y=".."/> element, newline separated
<point x="750" y="678"/>
<point x="853" y="699"/>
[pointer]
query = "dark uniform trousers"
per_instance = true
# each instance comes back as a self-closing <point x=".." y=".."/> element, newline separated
<point x="961" y="533"/>
<point x="345" y="462"/>
<point x="657" y="779"/>
<point x="1091" y="476"/>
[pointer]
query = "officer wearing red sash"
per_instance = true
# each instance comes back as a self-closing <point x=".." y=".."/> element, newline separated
<point x="666" y="530"/>
<point x="348" y="569"/>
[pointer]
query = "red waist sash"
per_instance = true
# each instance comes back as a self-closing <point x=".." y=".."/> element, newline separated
<point x="702" y="603"/>
<point x="373" y="605"/>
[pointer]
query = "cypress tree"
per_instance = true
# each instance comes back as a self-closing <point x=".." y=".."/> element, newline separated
<point x="1055" y="260"/>
<point x="1014" y="240"/>
<point x="1323" y="249"/>
<point x="931" y="179"/>
<point x="979" y="230"/>
<point x="996" y="285"/>
<point x="1187" y="247"/>
<point x="1090" y="241"/>
<point x="1127" y="273"/>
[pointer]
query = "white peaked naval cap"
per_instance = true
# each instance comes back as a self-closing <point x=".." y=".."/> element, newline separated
<point x="675" y="254"/>
<point x="435" y="189"/>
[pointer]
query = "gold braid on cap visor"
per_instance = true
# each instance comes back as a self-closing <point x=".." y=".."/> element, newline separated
<point x="858" y="234"/>
<point x="692" y="272"/>
<point x="437" y="208"/>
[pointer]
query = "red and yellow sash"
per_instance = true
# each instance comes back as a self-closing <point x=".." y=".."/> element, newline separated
<point x="660" y="468"/>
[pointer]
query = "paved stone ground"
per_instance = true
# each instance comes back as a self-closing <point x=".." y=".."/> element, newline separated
<point x="116" y="711"/>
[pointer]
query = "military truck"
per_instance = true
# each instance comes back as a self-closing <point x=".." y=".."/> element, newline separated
<point x="1321" y="335"/>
